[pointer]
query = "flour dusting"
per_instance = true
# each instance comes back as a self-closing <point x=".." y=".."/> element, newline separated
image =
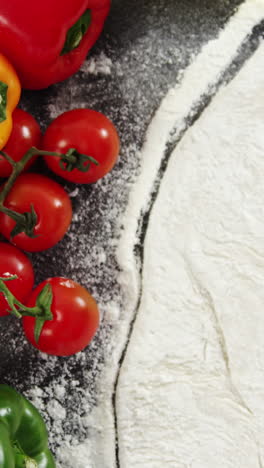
<point x="98" y="64"/>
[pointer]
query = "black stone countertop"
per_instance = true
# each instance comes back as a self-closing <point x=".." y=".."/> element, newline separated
<point x="149" y="44"/>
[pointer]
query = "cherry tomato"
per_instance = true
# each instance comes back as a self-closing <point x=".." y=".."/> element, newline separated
<point x="15" y="262"/>
<point x="52" y="206"/>
<point x="90" y="133"/>
<point x="25" y="134"/>
<point x="75" y="318"/>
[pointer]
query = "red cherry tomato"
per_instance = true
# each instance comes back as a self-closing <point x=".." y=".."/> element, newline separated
<point x="15" y="262"/>
<point x="25" y="134"/>
<point x="75" y="318"/>
<point x="52" y="206"/>
<point x="90" y="133"/>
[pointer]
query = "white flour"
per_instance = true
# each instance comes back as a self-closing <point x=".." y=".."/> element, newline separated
<point x="190" y="392"/>
<point x="157" y="425"/>
<point x="98" y="64"/>
<point x="191" y="387"/>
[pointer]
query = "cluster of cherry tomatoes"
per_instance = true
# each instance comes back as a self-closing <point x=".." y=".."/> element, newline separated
<point x="88" y="132"/>
<point x="75" y="315"/>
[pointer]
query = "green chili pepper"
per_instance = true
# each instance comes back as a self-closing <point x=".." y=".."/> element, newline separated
<point x="23" y="434"/>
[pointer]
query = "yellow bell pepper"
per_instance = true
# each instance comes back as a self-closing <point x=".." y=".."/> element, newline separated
<point x="10" y="90"/>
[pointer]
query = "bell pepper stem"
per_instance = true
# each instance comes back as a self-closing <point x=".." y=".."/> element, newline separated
<point x="25" y="462"/>
<point x="21" y="459"/>
<point x="76" y="32"/>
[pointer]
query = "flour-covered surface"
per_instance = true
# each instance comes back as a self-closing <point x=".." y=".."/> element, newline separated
<point x="190" y="390"/>
<point x="143" y="52"/>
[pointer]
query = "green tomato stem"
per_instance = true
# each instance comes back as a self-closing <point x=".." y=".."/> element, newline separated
<point x="36" y="311"/>
<point x="19" y="166"/>
<point x="41" y="311"/>
<point x="26" y="222"/>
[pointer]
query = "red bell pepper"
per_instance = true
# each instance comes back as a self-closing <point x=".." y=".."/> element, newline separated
<point x="47" y="41"/>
